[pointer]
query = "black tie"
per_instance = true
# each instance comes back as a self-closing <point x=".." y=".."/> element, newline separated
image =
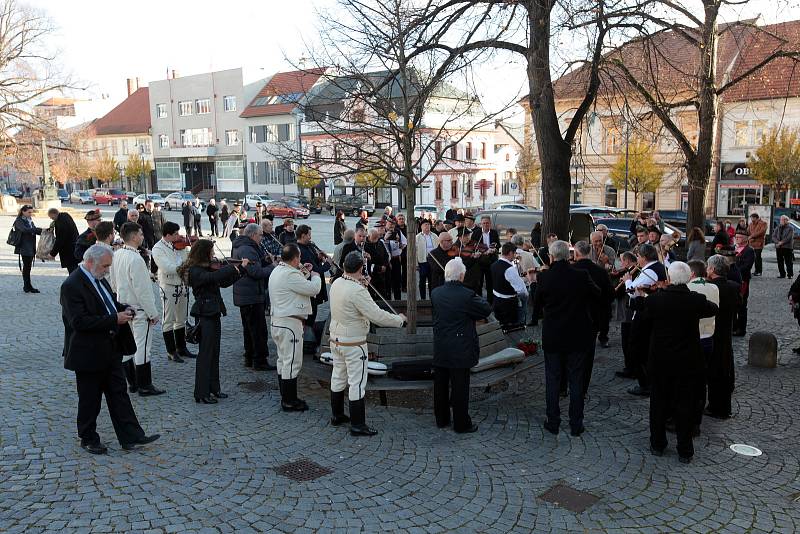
<point x="109" y="305"/>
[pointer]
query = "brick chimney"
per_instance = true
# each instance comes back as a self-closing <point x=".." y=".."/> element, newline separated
<point x="174" y="74"/>
<point x="133" y="85"/>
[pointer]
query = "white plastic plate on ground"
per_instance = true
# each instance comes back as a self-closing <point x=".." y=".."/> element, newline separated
<point x="745" y="450"/>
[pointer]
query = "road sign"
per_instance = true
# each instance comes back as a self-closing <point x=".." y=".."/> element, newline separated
<point x="512" y="186"/>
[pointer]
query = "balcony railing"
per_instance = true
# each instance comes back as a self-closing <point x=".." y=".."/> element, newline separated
<point x="192" y="151"/>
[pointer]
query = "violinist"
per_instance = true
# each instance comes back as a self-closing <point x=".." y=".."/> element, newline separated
<point x="427" y="242"/>
<point x="169" y="253"/>
<point x="628" y="260"/>
<point x="378" y="261"/>
<point x="526" y="263"/>
<point x="87" y="238"/>
<point x="459" y="229"/>
<point x="250" y="296"/>
<point x="469" y="256"/>
<point x="488" y="242"/>
<point x="602" y="254"/>
<point x="652" y="272"/>
<point x="437" y="259"/>
<point x="199" y="273"/>
<point x="311" y="254"/>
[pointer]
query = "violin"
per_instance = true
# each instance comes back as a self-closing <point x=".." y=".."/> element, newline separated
<point x="184" y="242"/>
<point x="216" y="264"/>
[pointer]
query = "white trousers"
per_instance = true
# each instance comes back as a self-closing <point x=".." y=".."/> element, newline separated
<point x="349" y="367"/>
<point x="288" y="335"/>
<point x="175" y="300"/>
<point x="143" y="335"/>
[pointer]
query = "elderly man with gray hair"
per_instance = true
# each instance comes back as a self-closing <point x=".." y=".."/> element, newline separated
<point x="676" y="358"/>
<point x="783" y="237"/>
<point x="564" y="299"/>
<point x="455" y="346"/>
<point x="250" y="295"/>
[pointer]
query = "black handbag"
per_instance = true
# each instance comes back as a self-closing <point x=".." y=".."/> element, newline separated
<point x="193" y="332"/>
<point x="124" y="340"/>
<point x="418" y="369"/>
<point x="14" y="237"/>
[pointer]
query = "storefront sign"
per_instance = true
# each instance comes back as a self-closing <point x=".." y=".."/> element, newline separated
<point x="734" y="171"/>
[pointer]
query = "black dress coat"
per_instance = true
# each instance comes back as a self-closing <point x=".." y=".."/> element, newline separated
<point x="146" y="222"/>
<point x="339" y="227"/>
<point x="93" y="341"/>
<point x="205" y="284"/>
<point x="29" y="231"/>
<point x="66" y="237"/>
<point x="564" y="298"/>
<point x="675" y="314"/>
<point x="252" y="287"/>
<point x="120" y="218"/>
<point x="455" y="339"/>
<point x="729" y="302"/>
<point x="436" y="264"/>
<point x="600" y="277"/>
<point x="744" y="262"/>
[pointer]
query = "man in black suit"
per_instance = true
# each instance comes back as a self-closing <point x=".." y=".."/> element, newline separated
<point x="487" y="236"/>
<point x="720" y="374"/>
<point x="455" y="346"/>
<point x="379" y="264"/>
<point x="564" y="299"/>
<point x="96" y="332"/>
<point x="66" y="236"/>
<point x="676" y="361"/>
<point x="601" y="307"/>
<point x="652" y="272"/>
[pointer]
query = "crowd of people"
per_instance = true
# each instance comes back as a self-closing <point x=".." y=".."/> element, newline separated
<point x="677" y="318"/>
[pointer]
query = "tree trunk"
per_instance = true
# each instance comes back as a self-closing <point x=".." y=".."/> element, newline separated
<point x="554" y="154"/>
<point x="695" y="214"/>
<point x="411" y="259"/>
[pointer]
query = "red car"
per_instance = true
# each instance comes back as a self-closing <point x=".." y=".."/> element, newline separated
<point x="102" y="196"/>
<point x="118" y="195"/>
<point x="281" y="209"/>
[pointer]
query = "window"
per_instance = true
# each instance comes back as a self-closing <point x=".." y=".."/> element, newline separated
<point x="196" y="137"/>
<point x="231" y="172"/>
<point x="483" y="150"/>
<point x="438" y="149"/>
<point x="315" y="152"/>
<point x="741" y="133"/>
<point x="285" y="132"/>
<point x="759" y="131"/>
<point x="163" y="141"/>
<point x="468" y="189"/>
<point x="438" y="190"/>
<point x="613" y="141"/>
<point x="611" y="196"/>
<point x="203" y="106"/>
<point x="496" y="185"/>
<point x="507" y="183"/>
<point x="260" y="101"/>
<point x="468" y="155"/>
<point x="687" y="122"/>
<point x="144" y="144"/>
<point x="185" y="108"/>
<point x="577" y="193"/>
<point x="113" y="145"/>
<point x="648" y="201"/>
<point x="229" y="103"/>
<point x="125" y="150"/>
<point x="168" y="175"/>
<point x="454" y="189"/>
<point x="454" y="151"/>
<point x="231" y="137"/>
<point x="336" y="153"/>
<point x="161" y="111"/>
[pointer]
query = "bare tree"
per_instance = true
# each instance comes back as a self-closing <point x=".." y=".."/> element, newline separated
<point x="389" y="111"/>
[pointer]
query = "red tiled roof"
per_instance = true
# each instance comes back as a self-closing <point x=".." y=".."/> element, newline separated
<point x="741" y="47"/>
<point x="283" y="83"/>
<point x="132" y="116"/>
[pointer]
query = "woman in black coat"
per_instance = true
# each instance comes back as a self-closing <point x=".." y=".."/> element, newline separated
<point x="26" y="246"/>
<point x="363" y="222"/>
<point x="339" y="227"/>
<point x="224" y="215"/>
<point x="721" y="237"/>
<point x="205" y="281"/>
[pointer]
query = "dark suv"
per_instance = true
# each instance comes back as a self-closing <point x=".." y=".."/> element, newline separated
<point x="350" y="204"/>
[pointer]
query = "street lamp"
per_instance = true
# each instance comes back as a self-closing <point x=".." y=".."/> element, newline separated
<point x="627" y="142"/>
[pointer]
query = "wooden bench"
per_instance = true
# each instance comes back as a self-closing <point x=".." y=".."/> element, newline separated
<point x="393" y="344"/>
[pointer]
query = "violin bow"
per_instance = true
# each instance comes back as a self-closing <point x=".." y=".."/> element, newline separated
<point x="370" y="285"/>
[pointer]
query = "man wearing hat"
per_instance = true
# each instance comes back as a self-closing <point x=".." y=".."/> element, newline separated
<point x="87" y="238"/>
<point x="427" y="242"/>
<point x="459" y="229"/>
<point x="758" y="230"/>
<point x="469" y="222"/>
<point x="745" y="257"/>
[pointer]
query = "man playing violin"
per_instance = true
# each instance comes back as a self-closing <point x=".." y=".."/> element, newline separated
<point x="603" y="256"/>
<point x="427" y="242"/>
<point x="488" y="242"/>
<point x="168" y="256"/>
<point x="469" y="256"/>
<point x="378" y="263"/>
<point x="311" y="254"/>
<point x="437" y="259"/>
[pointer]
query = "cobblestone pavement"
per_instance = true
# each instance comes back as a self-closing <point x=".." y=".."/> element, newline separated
<point x="213" y="468"/>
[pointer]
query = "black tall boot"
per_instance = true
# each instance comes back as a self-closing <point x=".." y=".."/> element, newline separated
<point x="337" y="408"/>
<point x="130" y="375"/>
<point x="180" y="343"/>
<point x="144" y="378"/>
<point x="289" y="400"/>
<point x="169" y="342"/>
<point x="358" y="419"/>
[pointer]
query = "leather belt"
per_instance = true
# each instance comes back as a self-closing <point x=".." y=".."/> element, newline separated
<point x="349" y="343"/>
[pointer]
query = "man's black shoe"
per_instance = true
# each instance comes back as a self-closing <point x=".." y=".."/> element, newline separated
<point x="656" y="452"/>
<point x="144" y="440"/>
<point x="149" y="391"/>
<point x="577" y="431"/>
<point x="781" y="276"/>
<point x="756" y="274"/>
<point x="553" y="429"/>
<point x="625" y="373"/>
<point x="362" y="430"/>
<point x="294" y="406"/>
<point x="95" y="448"/>
<point x="685" y="459"/>
<point x="470" y="430"/>
<point x="639" y="391"/>
<point x="714" y="415"/>
<point x="604" y="343"/>
<point x="738" y="333"/>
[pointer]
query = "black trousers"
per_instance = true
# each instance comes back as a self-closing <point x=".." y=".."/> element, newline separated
<point x="206" y="374"/>
<point x="702" y="385"/>
<point x="91" y="388"/>
<point x="587" y="373"/>
<point x="212" y="222"/>
<point x="380" y="281"/>
<point x="72" y="264"/>
<point x="740" y="321"/>
<point x="27" y="265"/>
<point x="486" y="277"/>
<point x="575" y="369"/>
<point x="673" y="396"/>
<point x="640" y="346"/>
<point x="758" y="263"/>
<point x="403" y="268"/>
<point x="605" y="322"/>
<point x="784" y="261"/>
<point x="396" y="280"/>
<point x="719" y="381"/>
<point x="627" y="349"/>
<point x="451" y="389"/>
<point x="506" y="310"/>
<point x="254" y="331"/>
<point x="424" y="279"/>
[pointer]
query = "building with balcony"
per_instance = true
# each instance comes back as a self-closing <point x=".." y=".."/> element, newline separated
<point x="271" y="125"/>
<point x="197" y="134"/>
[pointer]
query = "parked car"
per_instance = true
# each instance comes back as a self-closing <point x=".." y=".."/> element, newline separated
<point x="14" y="192"/>
<point x="580" y="224"/>
<point x="117" y="195"/>
<point x="620" y="227"/>
<point x="63" y="196"/>
<point x="102" y="196"/>
<point x="249" y="201"/>
<point x="80" y="197"/>
<point x="351" y="204"/>
<point x="512" y="206"/>
<point x="284" y="209"/>
<point x="157" y="199"/>
<point x="130" y="195"/>
<point x="299" y="210"/>
<point x="300" y="199"/>
<point x="176" y="200"/>
<point x="422" y="209"/>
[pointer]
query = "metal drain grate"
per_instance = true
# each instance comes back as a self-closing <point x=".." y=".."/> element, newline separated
<point x="566" y="497"/>
<point x="259" y="386"/>
<point x="302" y="470"/>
